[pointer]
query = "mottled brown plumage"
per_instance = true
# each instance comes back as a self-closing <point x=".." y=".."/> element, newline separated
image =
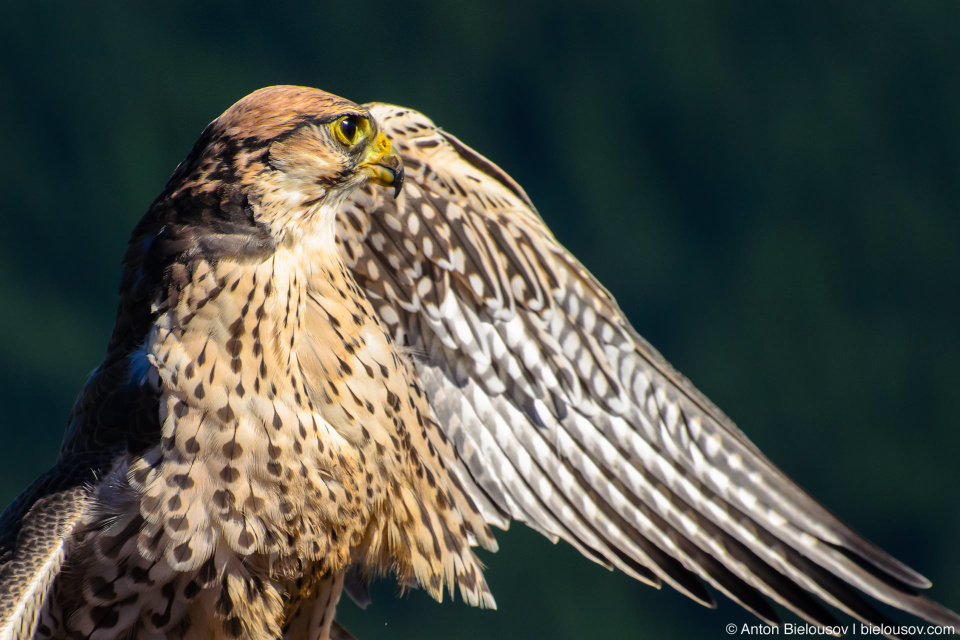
<point x="264" y="433"/>
<point x="311" y="382"/>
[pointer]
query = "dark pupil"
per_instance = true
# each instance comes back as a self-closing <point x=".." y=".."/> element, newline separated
<point x="348" y="127"/>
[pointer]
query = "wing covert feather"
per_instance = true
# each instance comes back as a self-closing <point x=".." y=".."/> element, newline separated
<point x="564" y="418"/>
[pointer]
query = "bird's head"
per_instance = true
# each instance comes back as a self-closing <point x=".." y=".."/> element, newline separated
<point x="280" y="161"/>
<point x="271" y="172"/>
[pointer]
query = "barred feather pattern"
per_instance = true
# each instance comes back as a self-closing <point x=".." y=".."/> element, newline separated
<point x="564" y="418"/>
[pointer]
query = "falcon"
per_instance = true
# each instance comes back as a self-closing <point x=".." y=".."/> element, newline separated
<point x="346" y="345"/>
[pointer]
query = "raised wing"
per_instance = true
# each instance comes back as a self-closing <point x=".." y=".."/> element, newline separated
<point x="566" y="419"/>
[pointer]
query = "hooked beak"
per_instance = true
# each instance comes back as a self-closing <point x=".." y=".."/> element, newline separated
<point x="384" y="164"/>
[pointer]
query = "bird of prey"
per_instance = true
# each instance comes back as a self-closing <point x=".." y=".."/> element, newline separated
<point x="346" y="345"/>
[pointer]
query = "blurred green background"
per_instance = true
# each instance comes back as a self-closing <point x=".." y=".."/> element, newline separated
<point x="771" y="191"/>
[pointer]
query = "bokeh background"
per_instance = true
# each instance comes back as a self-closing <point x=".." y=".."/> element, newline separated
<point x="771" y="191"/>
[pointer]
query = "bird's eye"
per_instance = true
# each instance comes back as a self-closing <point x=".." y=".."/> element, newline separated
<point x="347" y="129"/>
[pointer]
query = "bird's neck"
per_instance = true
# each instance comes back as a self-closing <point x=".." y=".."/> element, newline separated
<point x="243" y="321"/>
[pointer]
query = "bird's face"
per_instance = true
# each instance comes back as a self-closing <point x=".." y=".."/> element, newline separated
<point x="296" y="154"/>
<point x="328" y="156"/>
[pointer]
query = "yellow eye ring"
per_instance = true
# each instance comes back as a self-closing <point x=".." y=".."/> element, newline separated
<point x="347" y="129"/>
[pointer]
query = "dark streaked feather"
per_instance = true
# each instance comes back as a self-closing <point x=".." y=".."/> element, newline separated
<point x="34" y="529"/>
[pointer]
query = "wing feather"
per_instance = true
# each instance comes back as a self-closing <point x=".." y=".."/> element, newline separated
<point x="564" y="418"/>
<point x="33" y="533"/>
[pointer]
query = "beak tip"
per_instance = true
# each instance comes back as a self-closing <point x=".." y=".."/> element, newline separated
<point x="397" y="182"/>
